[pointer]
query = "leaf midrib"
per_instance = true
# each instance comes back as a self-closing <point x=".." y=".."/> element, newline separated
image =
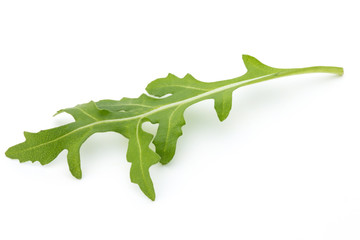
<point x="159" y="109"/>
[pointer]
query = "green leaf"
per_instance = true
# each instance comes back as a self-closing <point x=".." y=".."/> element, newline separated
<point x="168" y="98"/>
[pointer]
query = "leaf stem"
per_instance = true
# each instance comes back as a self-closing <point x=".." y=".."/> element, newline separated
<point x="317" y="69"/>
<point x="296" y="71"/>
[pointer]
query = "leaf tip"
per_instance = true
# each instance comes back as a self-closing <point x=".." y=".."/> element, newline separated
<point x="73" y="158"/>
<point x="165" y="160"/>
<point x="8" y="153"/>
<point x="222" y="117"/>
<point x="77" y="173"/>
<point x="147" y="190"/>
<point x="171" y="75"/>
<point x="27" y="134"/>
<point x="58" y="112"/>
<point x="13" y="152"/>
<point x="188" y="75"/>
<point x="247" y="57"/>
<point x="151" y="195"/>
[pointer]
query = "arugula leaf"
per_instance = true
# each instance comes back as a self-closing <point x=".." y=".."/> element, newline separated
<point x="168" y="98"/>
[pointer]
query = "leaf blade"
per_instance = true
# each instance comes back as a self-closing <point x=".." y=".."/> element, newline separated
<point x="169" y="98"/>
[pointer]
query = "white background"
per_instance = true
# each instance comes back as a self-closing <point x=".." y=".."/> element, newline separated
<point x="284" y="165"/>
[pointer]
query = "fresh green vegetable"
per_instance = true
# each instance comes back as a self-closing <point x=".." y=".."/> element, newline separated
<point x="127" y="116"/>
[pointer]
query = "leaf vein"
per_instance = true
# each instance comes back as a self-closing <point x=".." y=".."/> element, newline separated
<point x="88" y="114"/>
